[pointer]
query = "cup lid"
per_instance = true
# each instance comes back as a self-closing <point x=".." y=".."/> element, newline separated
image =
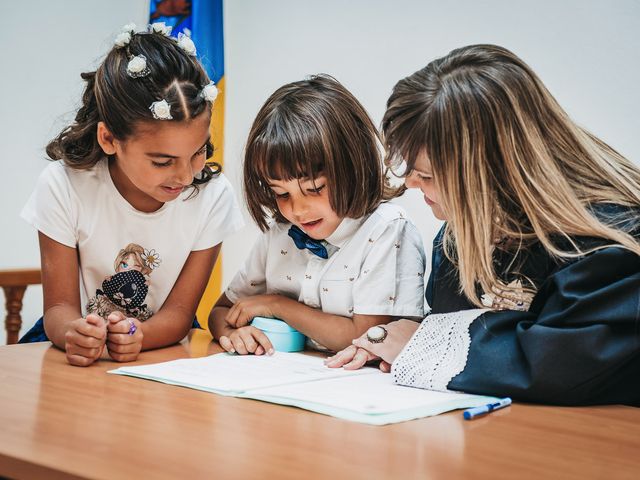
<point x="272" y="325"/>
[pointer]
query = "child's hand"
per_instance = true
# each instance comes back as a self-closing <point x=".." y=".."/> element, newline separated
<point x="246" y="340"/>
<point x="353" y="358"/>
<point x="245" y="309"/>
<point x="124" y="337"/>
<point x="85" y="340"/>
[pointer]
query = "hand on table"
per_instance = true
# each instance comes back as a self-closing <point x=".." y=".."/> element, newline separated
<point x="363" y="351"/>
<point x="245" y="340"/>
<point x="124" y="337"/>
<point x="353" y="358"/>
<point x="85" y="340"/>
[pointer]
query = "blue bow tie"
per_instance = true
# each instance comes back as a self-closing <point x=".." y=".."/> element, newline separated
<point x="302" y="241"/>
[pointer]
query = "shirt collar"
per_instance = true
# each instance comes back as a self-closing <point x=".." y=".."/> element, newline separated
<point x="347" y="228"/>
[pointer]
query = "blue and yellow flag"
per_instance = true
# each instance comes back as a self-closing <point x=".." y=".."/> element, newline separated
<point x="203" y="20"/>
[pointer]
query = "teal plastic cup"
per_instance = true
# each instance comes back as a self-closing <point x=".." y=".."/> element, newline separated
<point x="282" y="336"/>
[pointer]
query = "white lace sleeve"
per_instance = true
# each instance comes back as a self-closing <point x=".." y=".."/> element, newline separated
<point x="436" y="352"/>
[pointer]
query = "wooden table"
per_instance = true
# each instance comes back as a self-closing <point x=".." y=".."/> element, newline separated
<point x="60" y="421"/>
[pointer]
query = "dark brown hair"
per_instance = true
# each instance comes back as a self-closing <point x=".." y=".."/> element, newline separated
<point x="310" y="128"/>
<point x="122" y="102"/>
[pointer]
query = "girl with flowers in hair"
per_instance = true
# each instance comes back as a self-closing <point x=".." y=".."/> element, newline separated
<point x="334" y="259"/>
<point x="132" y="170"/>
<point x="535" y="281"/>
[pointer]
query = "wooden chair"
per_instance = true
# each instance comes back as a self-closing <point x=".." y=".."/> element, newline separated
<point x="14" y="283"/>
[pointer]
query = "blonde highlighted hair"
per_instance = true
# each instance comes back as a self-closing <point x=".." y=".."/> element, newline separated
<point x="512" y="168"/>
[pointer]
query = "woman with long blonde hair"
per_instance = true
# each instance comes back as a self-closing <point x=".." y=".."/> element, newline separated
<point x="535" y="281"/>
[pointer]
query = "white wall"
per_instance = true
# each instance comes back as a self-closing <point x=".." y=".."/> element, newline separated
<point x="585" y="51"/>
<point x="44" y="46"/>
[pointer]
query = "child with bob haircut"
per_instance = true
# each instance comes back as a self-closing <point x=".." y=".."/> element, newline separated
<point x="535" y="279"/>
<point x="334" y="259"/>
<point x="132" y="181"/>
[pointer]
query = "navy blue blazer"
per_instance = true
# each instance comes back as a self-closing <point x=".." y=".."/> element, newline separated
<point x="578" y="344"/>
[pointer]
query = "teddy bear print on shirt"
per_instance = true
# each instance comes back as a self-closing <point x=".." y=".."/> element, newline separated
<point x="126" y="290"/>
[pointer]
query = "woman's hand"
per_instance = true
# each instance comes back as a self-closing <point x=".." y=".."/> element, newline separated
<point x="362" y="350"/>
<point x="245" y="309"/>
<point x="245" y="340"/>
<point x="85" y="340"/>
<point x="124" y="337"/>
<point x="353" y="358"/>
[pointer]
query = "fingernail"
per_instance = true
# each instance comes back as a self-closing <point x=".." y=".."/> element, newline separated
<point x="232" y="351"/>
<point x="270" y="351"/>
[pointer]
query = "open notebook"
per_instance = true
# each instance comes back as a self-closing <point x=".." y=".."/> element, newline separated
<point x="366" y="395"/>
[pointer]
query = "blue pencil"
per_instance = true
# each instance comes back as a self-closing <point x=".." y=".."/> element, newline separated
<point x="472" y="413"/>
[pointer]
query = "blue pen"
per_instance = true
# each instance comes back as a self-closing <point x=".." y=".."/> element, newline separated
<point x="472" y="413"/>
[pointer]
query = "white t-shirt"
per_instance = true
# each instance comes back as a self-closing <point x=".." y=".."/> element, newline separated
<point x="116" y="243"/>
<point x="376" y="266"/>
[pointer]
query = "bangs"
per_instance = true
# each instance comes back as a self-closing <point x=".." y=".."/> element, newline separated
<point x="286" y="155"/>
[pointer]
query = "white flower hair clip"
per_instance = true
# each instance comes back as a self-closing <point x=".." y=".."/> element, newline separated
<point x="130" y="27"/>
<point x="160" y="27"/>
<point x="137" y="67"/>
<point x="186" y="44"/>
<point x="210" y="92"/>
<point x="161" y="110"/>
<point x="123" y="39"/>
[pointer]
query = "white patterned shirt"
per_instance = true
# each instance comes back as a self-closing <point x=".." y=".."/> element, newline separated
<point x="376" y="266"/>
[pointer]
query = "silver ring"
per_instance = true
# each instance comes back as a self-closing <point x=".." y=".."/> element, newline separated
<point x="377" y="334"/>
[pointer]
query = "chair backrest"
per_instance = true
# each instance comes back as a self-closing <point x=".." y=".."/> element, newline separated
<point x="14" y="282"/>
